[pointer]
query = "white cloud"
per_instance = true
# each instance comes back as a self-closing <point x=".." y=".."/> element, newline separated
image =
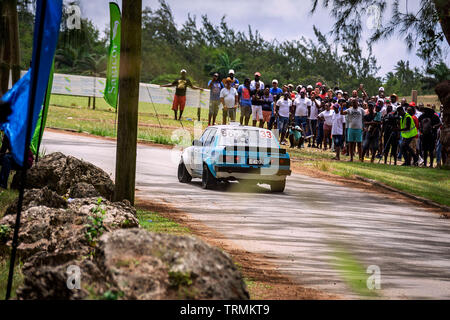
<point x="274" y="19"/>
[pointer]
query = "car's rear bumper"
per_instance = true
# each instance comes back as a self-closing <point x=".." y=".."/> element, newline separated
<point x="248" y="173"/>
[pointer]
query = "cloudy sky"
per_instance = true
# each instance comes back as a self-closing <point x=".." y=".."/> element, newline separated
<point x="275" y="19"/>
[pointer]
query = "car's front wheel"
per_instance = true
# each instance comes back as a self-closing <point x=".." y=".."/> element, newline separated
<point x="183" y="174"/>
<point x="208" y="180"/>
<point x="278" y="186"/>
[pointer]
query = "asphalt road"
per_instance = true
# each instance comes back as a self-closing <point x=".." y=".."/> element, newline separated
<point x="308" y="231"/>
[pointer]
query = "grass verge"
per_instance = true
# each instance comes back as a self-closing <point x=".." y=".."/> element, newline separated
<point x="429" y="183"/>
<point x="6" y="198"/>
<point x="154" y="222"/>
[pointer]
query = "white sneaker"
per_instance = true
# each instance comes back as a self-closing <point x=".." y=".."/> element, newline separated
<point x="420" y="162"/>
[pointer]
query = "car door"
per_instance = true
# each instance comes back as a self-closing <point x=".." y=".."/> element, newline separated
<point x="198" y="152"/>
<point x="208" y="144"/>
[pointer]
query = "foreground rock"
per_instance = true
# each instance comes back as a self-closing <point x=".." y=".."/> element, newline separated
<point x="136" y="264"/>
<point x="67" y="175"/>
<point x="67" y="228"/>
<point x="45" y="230"/>
<point x="38" y="197"/>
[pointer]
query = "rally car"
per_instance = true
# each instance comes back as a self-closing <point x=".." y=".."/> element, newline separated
<point x="235" y="152"/>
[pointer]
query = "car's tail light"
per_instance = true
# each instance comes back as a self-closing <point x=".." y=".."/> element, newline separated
<point x="233" y="159"/>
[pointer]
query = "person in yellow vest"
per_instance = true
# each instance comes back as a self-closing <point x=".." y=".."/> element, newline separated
<point x="408" y="131"/>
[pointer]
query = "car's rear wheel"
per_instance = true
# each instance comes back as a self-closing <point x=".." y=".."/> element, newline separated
<point x="208" y="180"/>
<point x="183" y="174"/>
<point x="278" y="186"/>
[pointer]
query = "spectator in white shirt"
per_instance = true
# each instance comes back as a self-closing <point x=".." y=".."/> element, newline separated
<point x="327" y="116"/>
<point x="301" y="104"/>
<point x="313" y="111"/>
<point x="283" y="107"/>
<point x="337" y="131"/>
<point x="229" y="99"/>
<point x="257" y="79"/>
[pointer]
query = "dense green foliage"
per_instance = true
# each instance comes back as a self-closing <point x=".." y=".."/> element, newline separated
<point x="203" y="47"/>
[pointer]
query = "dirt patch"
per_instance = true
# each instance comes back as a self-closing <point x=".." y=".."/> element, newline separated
<point x="265" y="282"/>
<point x="298" y="167"/>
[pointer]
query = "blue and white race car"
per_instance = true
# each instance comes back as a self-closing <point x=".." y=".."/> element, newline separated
<point x="235" y="152"/>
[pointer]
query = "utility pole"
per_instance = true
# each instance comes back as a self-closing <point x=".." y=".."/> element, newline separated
<point x="14" y="41"/>
<point x="129" y="76"/>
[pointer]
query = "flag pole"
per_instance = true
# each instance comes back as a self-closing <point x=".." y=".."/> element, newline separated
<point x="31" y="102"/>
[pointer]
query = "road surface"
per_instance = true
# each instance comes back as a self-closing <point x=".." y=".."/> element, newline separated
<point x="304" y="230"/>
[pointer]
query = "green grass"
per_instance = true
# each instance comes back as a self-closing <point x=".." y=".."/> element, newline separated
<point x="433" y="184"/>
<point x="154" y="222"/>
<point x="72" y="113"/>
<point x="7" y="196"/>
<point x="17" y="279"/>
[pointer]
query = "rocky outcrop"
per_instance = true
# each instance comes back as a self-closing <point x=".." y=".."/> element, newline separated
<point x="136" y="264"/>
<point x="67" y="175"/>
<point x="48" y="230"/>
<point x="65" y="226"/>
<point x="38" y="197"/>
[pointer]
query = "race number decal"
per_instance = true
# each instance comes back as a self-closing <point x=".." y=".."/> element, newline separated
<point x="266" y="134"/>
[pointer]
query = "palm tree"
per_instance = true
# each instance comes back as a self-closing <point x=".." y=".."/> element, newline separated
<point x="92" y="65"/>
<point x="436" y="74"/>
<point x="224" y="64"/>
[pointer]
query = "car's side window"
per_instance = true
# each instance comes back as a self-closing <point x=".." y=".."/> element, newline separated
<point x="210" y="140"/>
<point x="204" y="136"/>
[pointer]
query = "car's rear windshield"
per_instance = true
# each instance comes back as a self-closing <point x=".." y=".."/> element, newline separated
<point x="247" y="137"/>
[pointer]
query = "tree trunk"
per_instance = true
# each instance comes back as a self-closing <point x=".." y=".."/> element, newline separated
<point x="5" y="51"/>
<point x="443" y="92"/>
<point x="443" y="89"/>
<point x="130" y="66"/>
<point x="14" y="40"/>
<point x="443" y="11"/>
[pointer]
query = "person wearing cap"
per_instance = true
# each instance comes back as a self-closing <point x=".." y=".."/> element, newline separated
<point x="233" y="78"/>
<point x="215" y="86"/>
<point x="301" y="103"/>
<point x="229" y="98"/>
<point x="245" y="101"/>
<point x="257" y="79"/>
<point x="179" y="100"/>
<point x="313" y="112"/>
<point x="394" y="102"/>
<point x="415" y="144"/>
<point x="381" y="94"/>
<point x="408" y="132"/>
<point x="257" y="113"/>
<point x="276" y="93"/>
<point x="283" y="107"/>
<point x="309" y="89"/>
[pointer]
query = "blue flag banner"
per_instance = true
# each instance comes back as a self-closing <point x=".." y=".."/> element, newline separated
<point x="16" y="126"/>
